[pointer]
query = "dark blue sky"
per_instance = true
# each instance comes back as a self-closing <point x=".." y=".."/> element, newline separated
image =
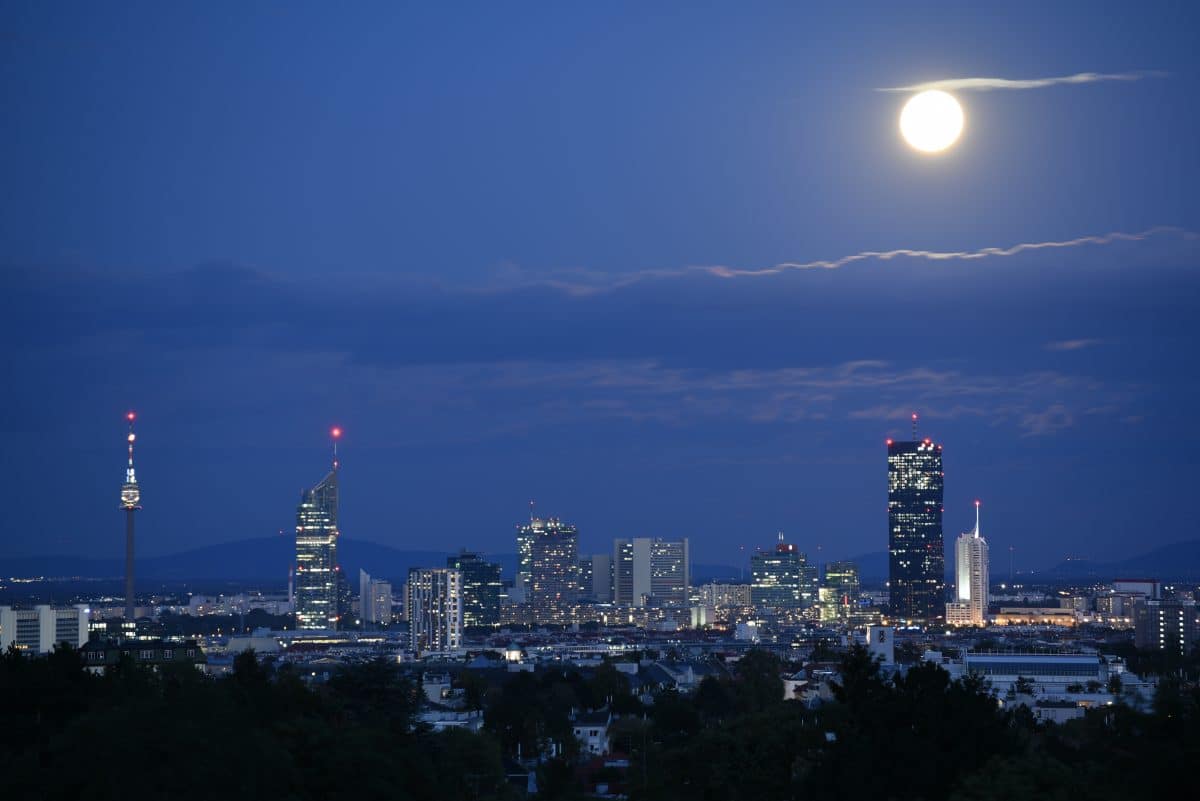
<point x="469" y="236"/>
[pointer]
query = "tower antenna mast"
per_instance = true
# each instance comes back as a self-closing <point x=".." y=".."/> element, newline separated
<point x="131" y="497"/>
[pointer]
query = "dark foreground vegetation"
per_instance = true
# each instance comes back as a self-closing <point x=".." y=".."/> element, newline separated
<point x="261" y="733"/>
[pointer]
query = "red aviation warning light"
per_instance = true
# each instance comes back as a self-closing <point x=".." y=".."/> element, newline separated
<point x="335" y="432"/>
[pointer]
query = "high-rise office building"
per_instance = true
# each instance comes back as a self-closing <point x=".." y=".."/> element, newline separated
<point x="839" y="591"/>
<point x="782" y="578"/>
<point x="434" y="605"/>
<point x="131" y="501"/>
<point x="553" y="569"/>
<point x="317" y="575"/>
<point x="916" y="555"/>
<point x="651" y="571"/>
<point x="527" y="533"/>
<point x="970" y="604"/>
<point x="374" y="599"/>
<point x="596" y="577"/>
<point x="481" y="588"/>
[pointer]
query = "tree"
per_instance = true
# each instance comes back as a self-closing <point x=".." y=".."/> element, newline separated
<point x="759" y="685"/>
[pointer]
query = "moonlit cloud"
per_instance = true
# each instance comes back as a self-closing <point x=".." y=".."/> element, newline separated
<point x="988" y="84"/>
<point x="580" y="282"/>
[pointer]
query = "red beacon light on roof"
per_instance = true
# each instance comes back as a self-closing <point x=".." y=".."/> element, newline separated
<point x="335" y="432"/>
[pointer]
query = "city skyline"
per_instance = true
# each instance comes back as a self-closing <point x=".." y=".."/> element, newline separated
<point x="557" y="401"/>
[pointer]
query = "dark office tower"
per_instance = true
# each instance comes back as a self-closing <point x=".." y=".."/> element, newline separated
<point x="318" y="599"/>
<point x="481" y="588"/>
<point x="131" y="499"/>
<point x="917" y="559"/>
<point x="782" y="578"/>
<point x="553" y="570"/>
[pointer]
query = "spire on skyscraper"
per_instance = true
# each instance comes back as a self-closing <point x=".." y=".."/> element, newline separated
<point x="976" y="518"/>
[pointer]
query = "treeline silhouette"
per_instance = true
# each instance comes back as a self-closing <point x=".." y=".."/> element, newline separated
<point x="261" y="732"/>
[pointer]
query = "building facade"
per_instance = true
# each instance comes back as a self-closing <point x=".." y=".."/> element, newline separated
<point x="839" y="591"/>
<point x="553" y="570"/>
<point x="782" y="578"/>
<point x="39" y="629"/>
<point x="596" y="577"/>
<point x="1165" y="625"/>
<point x="725" y="595"/>
<point x="481" y="588"/>
<point x="916" y="550"/>
<point x="527" y="535"/>
<point x="317" y="576"/>
<point x="434" y="606"/>
<point x="651" y="571"/>
<point x="970" y="604"/>
<point x="374" y="599"/>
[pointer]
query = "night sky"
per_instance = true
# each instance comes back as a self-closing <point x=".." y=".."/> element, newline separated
<point x="525" y="251"/>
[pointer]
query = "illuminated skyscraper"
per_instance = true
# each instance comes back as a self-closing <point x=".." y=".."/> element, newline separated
<point x="481" y="588"/>
<point x="970" y="605"/>
<point x="652" y="570"/>
<point x="917" y="560"/>
<point x="553" y="569"/>
<point x="131" y="501"/>
<point x="317" y="577"/>
<point x="434" y="607"/>
<point x="782" y="578"/>
<point x="839" y="592"/>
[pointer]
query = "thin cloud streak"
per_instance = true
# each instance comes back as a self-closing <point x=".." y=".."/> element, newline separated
<point x="602" y="282"/>
<point x="1073" y="344"/>
<point x="989" y="84"/>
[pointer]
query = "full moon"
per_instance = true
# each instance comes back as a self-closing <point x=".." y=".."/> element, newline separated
<point x="931" y="121"/>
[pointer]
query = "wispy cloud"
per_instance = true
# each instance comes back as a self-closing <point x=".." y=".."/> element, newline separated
<point x="581" y="282"/>
<point x="1073" y="344"/>
<point x="988" y="84"/>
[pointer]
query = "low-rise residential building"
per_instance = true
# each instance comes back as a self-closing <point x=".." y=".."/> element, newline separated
<point x="591" y="730"/>
<point x="100" y="655"/>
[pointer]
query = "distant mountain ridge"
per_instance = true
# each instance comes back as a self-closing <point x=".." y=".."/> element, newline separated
<point x="1175" y="562"/>
<point x="265" y="558"/>
<point x="270" y="557"/>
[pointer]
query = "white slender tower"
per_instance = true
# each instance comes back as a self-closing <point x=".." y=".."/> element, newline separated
<point x="971" y="573"/>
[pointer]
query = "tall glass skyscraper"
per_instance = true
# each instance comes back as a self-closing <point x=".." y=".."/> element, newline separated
<point x="553" y="569"/>
<point x="917" y="559"/>
<point x="527" y="534"/>
<point x="317" y="576"/>
<point x="481" y="588"/>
